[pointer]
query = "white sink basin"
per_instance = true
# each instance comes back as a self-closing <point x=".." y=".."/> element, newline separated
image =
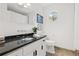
<point x="27" y="39"/>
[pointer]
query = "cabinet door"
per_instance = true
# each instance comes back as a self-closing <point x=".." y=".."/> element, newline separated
<point x="42" y="48"/>
<point x="39" y="53"/>
<point x="30" y="53"/>
<point x="31" y="48"/>
<point x="28" y="50"/>
<point x="17" y="52"/>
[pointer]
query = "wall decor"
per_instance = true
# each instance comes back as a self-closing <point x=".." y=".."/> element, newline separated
<point x="53" y="15"/>
<point x="39" y="19"/>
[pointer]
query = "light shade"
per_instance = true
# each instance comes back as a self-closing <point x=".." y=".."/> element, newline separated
<point x="25" y="4"/>
<point x="53" y="15"/>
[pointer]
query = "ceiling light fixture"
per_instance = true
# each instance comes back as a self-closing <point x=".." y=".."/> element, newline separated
<point x="25" y="4"/>
<point x="20" y="3"/>
<point x="28" y="4"/>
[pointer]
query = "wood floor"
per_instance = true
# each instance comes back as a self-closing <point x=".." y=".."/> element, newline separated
<point x="63" y="52"/>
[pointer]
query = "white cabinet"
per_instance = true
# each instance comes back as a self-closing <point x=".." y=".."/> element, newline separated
<point x="30" y="49"/>
<point x="17" y="52"/>
<point x="42" y="48"/>
<point x="29" y="54"/>
<point x="36" y="48"/>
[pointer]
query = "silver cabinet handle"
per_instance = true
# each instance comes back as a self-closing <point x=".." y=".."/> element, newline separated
<point x="43" y="40"/>
<point x="35" y="53"/>
<point x="42" y="47"/>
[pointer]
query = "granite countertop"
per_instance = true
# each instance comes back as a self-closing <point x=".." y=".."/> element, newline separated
<point x="9" y="45"/>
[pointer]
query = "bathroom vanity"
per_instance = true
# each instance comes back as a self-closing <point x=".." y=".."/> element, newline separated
<point x="23" y="45"/>
<point x="16" y="42"/>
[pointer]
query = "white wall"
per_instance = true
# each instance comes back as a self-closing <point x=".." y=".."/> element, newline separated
<point x="76" y="41"/>
<point x="61" y="30"/>
<point x="37" y="8"/>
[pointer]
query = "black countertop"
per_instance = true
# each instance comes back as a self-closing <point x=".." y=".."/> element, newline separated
<point x="14" y="42"/>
